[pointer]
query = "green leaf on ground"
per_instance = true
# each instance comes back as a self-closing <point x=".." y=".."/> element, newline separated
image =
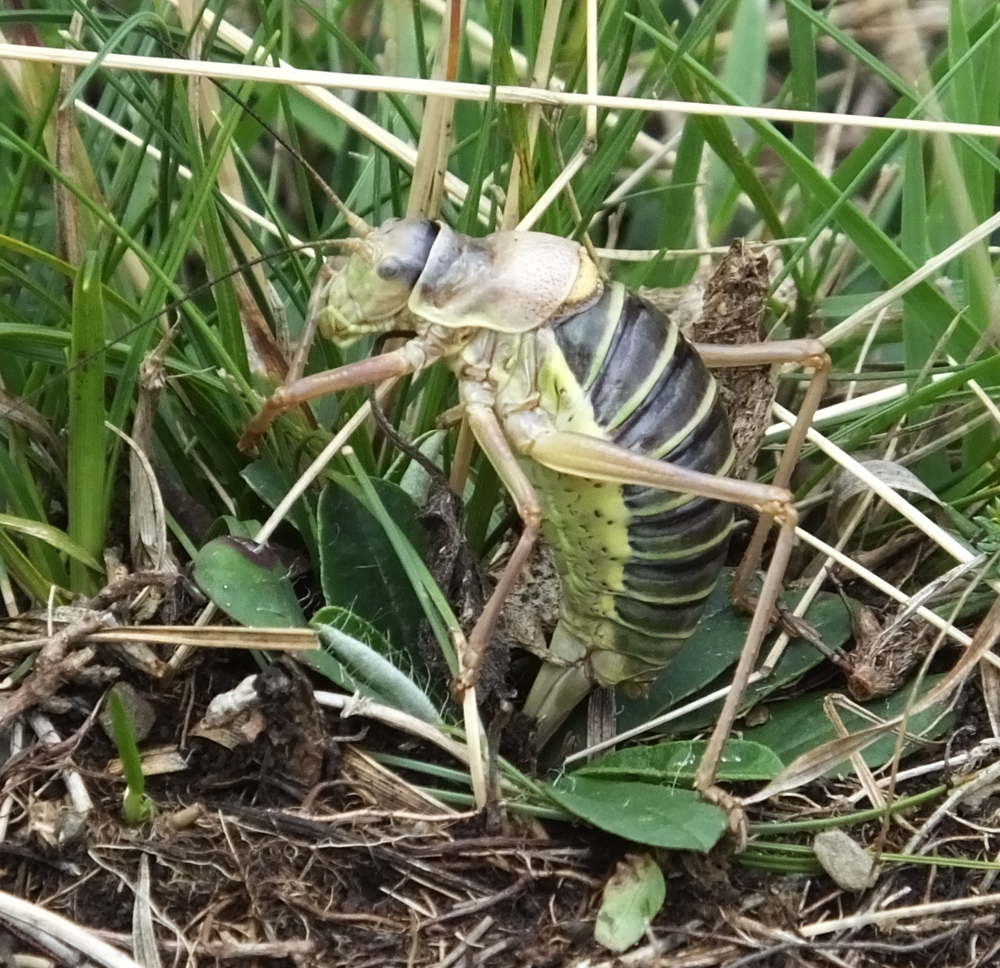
<point x="715" y="646"/>
<point x="360" y="570"/>
<point x="667" y="817"/>
<point x="799" y="725"/>
<point x="366" y="663"/>
<point x="631" y="899"/>
<point x="249" y="583"/>
<point x="677" y="762"/>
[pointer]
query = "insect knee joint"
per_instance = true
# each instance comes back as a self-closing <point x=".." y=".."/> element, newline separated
<point x="783" y="511"/>
<point x="818" y="361"/>
<point x="531" y="515"/>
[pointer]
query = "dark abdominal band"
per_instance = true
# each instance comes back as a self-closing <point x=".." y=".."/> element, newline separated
<point x="677" y="543"/>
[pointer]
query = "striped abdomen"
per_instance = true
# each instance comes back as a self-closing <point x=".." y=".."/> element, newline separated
<point x="637" y="564"/>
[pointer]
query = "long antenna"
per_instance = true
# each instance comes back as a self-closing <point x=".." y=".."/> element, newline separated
<point x="355" y="222"/>
<point x="10" y="406"/>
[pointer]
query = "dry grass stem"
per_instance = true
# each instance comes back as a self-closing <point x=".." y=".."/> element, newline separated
<point x="212" y="637"/>
<point x="895" y="915"/>
<point x="476" y="92"/>
<point x="31" y="918"/>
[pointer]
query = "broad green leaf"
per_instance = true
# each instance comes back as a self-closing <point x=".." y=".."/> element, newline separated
<point x="249" y="583"/>
<point x="435" y="607"/>
<point x="631" y="899"/>
<point x="360" y="570"/>
<point x="659" y="816"/>
<point x="678" y="761"/>
<point x="796" y="726"/>
<point x="324" y="662"/>
<point x="357" y="628"/>
<point x="715" y="646"/>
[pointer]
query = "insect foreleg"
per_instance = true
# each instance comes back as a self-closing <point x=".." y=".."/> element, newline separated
<point x="412" y="356"/>
<point x="490" y="437"/>
<point x="318" y="300"/>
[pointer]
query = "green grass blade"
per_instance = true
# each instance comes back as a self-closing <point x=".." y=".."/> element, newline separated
<point x="435" y="606"/>
<point x="929" y="305"/>
<point x="86" y="467"/>
<point x="138" y="808"/>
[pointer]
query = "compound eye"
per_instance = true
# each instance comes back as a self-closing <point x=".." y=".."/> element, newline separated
<point x="389" y="268"/>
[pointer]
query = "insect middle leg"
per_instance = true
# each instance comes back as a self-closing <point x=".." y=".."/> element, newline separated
<point x="490" y="436"/>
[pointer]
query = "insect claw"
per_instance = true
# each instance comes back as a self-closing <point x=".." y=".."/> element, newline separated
<point x="739" y="826"/>
<point x="247" y="444"/>
<point x="255" y="430"/>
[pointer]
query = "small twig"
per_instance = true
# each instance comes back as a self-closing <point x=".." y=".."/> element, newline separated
<point x="864" y="946"/>
<point x="467" y="940"/>
<point x="484" y="956"/>
<point x="130" y="585"/>
<point x="31" y="918"/>
<point x="474" y="907"/>
<point x="49" y="737"/>
<point x="226" y="950"/>
<point x="986" y="778"/>
<point x="494" y="807"/>
<point x="141" y="890"/>
<point x="360" y="706"/>
<point x="891" y="915"/>
<point x="16" y="745"/>
<point x="53" y="668"/>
